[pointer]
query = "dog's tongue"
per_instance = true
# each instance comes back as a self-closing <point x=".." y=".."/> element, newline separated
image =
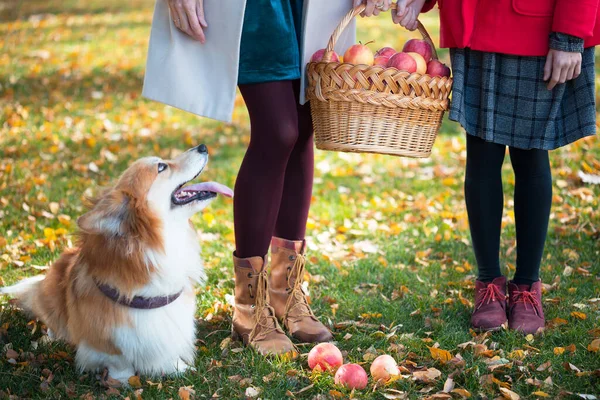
<point x="210" y="187"/>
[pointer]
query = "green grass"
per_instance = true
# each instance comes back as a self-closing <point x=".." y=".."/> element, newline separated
<point x="70" y="77"/>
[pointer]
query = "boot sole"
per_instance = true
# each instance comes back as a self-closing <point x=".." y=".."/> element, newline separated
<point x="502" y="327"/>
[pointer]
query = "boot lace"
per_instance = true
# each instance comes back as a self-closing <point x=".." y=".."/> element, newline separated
<point x="527" y="298"/>
<point x="264" y="323"/>
<point x="490" y="293"/>
<point x="296" y="302"/>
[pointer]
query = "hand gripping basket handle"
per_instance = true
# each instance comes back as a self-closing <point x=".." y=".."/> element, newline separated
<point x="350" y="16"/>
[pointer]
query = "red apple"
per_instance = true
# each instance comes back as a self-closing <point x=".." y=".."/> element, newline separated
<point x="421" y="64"/>
<point x="353" y="376"/>
<point x="384" y="367"/>
<point x="419" y="46"/>
<point x="359" y="54"/>
<point x="403" y="62"/>
<point x="381" y="60"/>
<point x="318" y="56"/>
<point x="326" y="356"/>
<point x="385" y="52"/>
<point x="437" y="68"/>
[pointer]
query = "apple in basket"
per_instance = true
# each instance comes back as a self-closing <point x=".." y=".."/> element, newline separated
<point x="403" y="62"/>
<point x="437" y="68"/>
<point x="359" y="54"/>
<point x="381" y="60"/>
<point x="318" y="56"/>
<point x="385" y="52"/>
<point x="421" y="63"/>
<point x="419" y="46"/>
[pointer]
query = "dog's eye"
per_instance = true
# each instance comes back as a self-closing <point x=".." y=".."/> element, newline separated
<point x="162" y="167"/>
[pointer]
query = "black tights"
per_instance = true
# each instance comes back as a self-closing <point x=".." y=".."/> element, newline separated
<point x="485" y="202"/>
<point x="274" y="186"/>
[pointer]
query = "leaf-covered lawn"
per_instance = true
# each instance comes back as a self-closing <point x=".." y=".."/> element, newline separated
<point x="391" y="265"/>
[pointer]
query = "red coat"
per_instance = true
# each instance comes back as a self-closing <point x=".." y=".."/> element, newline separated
<point x="519" y="27"/>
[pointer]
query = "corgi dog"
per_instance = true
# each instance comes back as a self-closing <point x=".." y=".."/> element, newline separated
<point x="124" y="297"/>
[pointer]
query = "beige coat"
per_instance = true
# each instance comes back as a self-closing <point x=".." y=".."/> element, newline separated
<point x="202" y="78"/>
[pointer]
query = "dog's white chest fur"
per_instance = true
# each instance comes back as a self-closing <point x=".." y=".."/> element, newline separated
<point x="161" y="340"/>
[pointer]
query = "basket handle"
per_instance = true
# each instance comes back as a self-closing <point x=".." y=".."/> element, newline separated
<point x="351" y="15"/>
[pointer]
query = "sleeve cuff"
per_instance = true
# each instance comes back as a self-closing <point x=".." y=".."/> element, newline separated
<point x="564" y="42"/>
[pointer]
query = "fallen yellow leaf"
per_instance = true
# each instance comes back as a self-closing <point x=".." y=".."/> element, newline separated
<point x="440" y="354"/>
<point x="579" y="315"/>
<point x="539" y="393"/>
<point x="559" y="350"/>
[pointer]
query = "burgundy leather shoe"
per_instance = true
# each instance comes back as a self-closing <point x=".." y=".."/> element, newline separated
<point x="490" y="305"/>
<point x="525" y="312"/>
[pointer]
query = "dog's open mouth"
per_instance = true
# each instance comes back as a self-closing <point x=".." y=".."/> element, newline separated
<point x="198" y="192"/>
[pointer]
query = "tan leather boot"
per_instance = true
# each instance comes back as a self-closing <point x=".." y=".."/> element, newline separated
<point x="254" y="320"/>
<point x="287" y="297"/>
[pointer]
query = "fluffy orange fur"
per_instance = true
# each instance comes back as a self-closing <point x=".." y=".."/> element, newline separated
<point x="68" y="300"/>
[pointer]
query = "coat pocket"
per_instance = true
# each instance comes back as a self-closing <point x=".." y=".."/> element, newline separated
<point x="534" y="8"/>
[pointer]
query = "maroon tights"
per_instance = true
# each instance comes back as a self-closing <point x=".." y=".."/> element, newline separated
<point x="274" y="186"/>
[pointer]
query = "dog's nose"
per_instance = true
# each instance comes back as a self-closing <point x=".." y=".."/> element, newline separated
<point x="202" y="148"/>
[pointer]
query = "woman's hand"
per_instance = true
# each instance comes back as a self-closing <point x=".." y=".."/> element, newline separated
<point x="188" y="17"/>
<point x="561" y="66"/>
<point x="374" y="7"/>
<point x="407" y="12"/>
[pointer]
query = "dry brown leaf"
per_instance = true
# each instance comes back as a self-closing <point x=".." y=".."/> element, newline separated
<point x="544" y="366"/>
<point x="571" y="348"/>
<point x="430" y="375"/>
<point x="336" y="394"/>
<point x="570" y="367"/>
<point x="134" y="381"/>
<point x="10" y="353"/>
<point x="464" y="393"/>
<point x="594" y="347"/>
<point x="448" y="385"/>
<point x="509" y="394"/>
<point x="440" y="354"/>
<point x="393" y="394"/>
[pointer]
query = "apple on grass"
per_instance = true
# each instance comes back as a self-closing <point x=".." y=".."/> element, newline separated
<point x="437" y="68"/>
<point x="421" y="64"/>
<point x="326" y="356"/>
<point x="318" y="56"/>
<point x="403" y="62"/>
<point x="359" y="54"/>
<point x="353" y="376"/>
<point x="419" y="46"/>
<point x="384" y="367"/>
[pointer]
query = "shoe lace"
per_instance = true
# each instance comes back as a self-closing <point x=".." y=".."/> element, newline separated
<point x="297" y="299"/>
<point x="264" y="323"/>
<point x="527" y="298"/>
<point x="490" y="293"/>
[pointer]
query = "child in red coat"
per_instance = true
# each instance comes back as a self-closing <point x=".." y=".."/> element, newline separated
<point x="523" y="78"/>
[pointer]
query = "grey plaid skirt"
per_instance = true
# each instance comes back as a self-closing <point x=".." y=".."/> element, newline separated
<point x="503" y="99"/>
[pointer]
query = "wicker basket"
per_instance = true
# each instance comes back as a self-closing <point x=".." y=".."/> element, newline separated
<point x="373" y="109"/>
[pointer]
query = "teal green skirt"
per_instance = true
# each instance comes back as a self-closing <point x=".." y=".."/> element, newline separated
<point x="270" y="46"/>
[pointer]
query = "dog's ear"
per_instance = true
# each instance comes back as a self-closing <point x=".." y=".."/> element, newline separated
<point x="108" y="216"/>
